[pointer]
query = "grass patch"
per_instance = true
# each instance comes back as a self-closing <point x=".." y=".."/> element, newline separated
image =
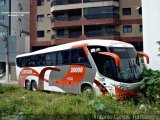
<point x="16" y="101"/>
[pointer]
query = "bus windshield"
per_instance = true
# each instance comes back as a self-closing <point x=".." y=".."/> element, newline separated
<point x="130" y="70"/>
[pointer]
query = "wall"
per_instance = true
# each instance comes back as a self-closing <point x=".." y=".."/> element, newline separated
<point x="18" y="22"/>
<point x="151" y="31"/>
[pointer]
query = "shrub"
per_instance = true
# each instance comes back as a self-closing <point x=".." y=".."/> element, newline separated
<point x="151" y="85"/>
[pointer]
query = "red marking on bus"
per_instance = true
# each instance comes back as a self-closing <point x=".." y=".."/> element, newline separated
<point x="76" y="76"/>
<point x="41" y="77"/>
<point x="101" y="87"/>
<point x="23" y="76"/>
<point x="81" y="45"/>
<point x="124" y="94"/>
<point x="84" y="46"/>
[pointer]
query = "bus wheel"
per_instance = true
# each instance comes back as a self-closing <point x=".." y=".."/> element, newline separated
<point x="87" y="89"/>
<point x="34" y="86"/>
<point x="27" y="85"/>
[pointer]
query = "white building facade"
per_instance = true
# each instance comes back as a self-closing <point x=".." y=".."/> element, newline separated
<point x="151" y="31"/>
<point x="14" y="14"/>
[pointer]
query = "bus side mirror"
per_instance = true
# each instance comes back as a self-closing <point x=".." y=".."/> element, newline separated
<point x="114" y="56"/>
<point x="141" y="54"/>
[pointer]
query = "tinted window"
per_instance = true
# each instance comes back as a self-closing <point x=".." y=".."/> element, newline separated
<point x="63" y="57"/>
<point x="66" y="56"/>
<point x="54" y="58"/>
<point x="127" y="28"/>
<point x="78" y="56"/>
<point x="40" y="33"/>
<point x="126" y="11"/>
<point x="104" y="65"/>
<point x="40" y="60"/>
<point x="50" y="59"/>
<point x="40" y="2"/>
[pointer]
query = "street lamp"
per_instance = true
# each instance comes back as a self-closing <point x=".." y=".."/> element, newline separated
<point x="5" y="39"/>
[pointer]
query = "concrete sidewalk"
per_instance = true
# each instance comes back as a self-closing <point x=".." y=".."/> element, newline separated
<point x="11" y="82"/>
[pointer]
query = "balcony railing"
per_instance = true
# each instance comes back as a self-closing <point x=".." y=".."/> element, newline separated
<point x="101" y="33"/>
<point x="75" y="35"/>
<point x="66" y="18"/>
<point x="108" y="15"/>
<point x="87" y="34"/>
<point x="72" y="18"/>
<point x="64" y="2"/>
<point x="85" y="1"/>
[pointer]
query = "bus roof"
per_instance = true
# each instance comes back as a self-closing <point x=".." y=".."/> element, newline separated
<point x="91" y="42"/>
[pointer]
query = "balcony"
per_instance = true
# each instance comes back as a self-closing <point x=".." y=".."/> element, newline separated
<point x="99" y="16"/>
<point x="101" y="33"/>
<point x="66" y="18"/>
<point x="78" y="21"/>
<point x="86" y="1"/>
<point x="59" y="5"/>
<point x="64" y="2"/>
<point x="88" y="35"/>
<point x="75" y="35"/>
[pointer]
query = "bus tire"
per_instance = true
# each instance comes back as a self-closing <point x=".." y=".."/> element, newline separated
<point x="33" y="86"/>
<point x="87" y="89"/>
<point x="27" y="85"/>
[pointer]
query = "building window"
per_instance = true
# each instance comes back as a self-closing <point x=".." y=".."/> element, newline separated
<point x="40" y="33"/>
<point x="1" y="18"/>
<point x="60" y="32"/>
<point x="101" y="12"/>
<point x="40" y="2"/>
<point x="140" y="28"/>
<point x="140" y="10"/>
<point x="19" y="20"/>
<point x="126" y="11"/>
<point x="20" y="6"/>
<point x="2" y="2"/>
<point x="40" y="18"/>
<point x="49" y="15"/>
<point x="110" y="29"/>
<point x="48" y="31"/>
<point x="127" y="28"/>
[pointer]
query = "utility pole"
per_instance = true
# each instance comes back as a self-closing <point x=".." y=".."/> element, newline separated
<point x="5" y="39"/>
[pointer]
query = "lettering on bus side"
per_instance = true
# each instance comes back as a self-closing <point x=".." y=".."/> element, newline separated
<point x="26" y="72"/>
<point x="76" y="69"/>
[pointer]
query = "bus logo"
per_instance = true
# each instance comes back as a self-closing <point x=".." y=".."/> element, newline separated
<point x="76" y="69"/>
<point x="27" y="72"/>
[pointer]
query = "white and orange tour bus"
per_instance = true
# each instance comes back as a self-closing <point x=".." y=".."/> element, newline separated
<point x="103" y="66"/>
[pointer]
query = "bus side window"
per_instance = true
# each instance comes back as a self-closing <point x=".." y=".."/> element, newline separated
<point x="66" y="56"/>
<point x="59" y="58"/>
<point x="50" y="59"/>
<point x="63" y="57"/>
<point x="78" y="56"/>
<point x="107" y="69"/>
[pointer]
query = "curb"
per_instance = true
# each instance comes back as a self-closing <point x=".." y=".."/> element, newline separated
<point x="3" y="82"/>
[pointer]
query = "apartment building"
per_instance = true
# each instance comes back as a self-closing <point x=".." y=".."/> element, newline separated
<point x="40" y="24"/>
<point x="73" y="20"/>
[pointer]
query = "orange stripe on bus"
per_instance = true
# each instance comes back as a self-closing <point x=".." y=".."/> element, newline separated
<point x="72" y="78"/>
<point x="101" y="87"/>
<point x="41" y="77"/>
